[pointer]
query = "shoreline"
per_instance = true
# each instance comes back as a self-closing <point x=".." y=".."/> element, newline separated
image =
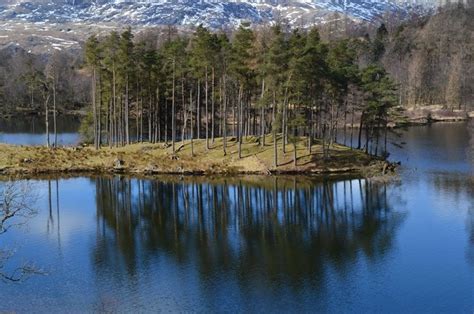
<point x="411" y="116"/>
<point x="426" y="115"/>
<point x="158" y="159"/>
<point x="80" y="113"/>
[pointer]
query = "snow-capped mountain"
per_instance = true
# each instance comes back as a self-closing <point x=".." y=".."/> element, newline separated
<point x="211" y="13"/>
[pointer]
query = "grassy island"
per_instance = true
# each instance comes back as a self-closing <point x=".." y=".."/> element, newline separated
<point x="158" y="159"/>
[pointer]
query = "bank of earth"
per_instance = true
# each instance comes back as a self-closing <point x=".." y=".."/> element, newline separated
<point x="144" y="158"/>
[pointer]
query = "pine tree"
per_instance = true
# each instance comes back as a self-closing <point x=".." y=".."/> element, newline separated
<point x="199" y="64"/>
<point x="379" y="99"/>
<point x="223" y="47"/>
<point x="52" y="77"/>
<point x="242" y="69"/>
<point x="277" y="76"/>
<point x="92" y="58"/>
<point x="125" y="72"/>
<point x="111" y="63"/>
<point x="175" y="64"/>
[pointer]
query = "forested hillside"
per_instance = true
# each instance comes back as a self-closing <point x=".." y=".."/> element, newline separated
<point x="432" y="59"/>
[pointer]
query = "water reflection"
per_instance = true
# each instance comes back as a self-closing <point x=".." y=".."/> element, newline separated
<point x="462" y="190"/>
<point x="246" y="244"/>
<point x="281" y="244"/>
<point x="283" y="229"/>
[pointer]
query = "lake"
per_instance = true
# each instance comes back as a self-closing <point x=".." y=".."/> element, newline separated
<point x="255" y="244"/>
<point x="31" y="130"/>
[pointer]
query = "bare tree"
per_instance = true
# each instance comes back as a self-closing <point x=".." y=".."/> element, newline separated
<point x="16" y="200"/>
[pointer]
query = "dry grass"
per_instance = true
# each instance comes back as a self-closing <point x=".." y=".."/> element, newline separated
<point x="158" y="158"/>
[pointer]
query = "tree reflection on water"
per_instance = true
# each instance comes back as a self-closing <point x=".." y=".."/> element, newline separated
<point x="461" y="186"/>
<point x="279" y="229"/>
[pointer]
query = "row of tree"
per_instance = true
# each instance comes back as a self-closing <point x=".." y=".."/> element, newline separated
<point x="205" y="85"/>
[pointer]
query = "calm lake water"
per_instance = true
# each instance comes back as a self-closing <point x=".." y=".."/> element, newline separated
<point x="279" y="244"/>
<point x="31" y="130"/>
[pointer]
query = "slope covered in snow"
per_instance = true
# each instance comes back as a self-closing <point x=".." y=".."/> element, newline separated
<point x="211" y="13"/>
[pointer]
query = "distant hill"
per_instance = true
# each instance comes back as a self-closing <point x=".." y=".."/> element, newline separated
<point x="211" y="13"/>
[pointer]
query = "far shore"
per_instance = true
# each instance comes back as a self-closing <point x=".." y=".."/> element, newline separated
<point x="431" y="114"/>
<point x="411" y="116"/>
<point x="156" y="159"/>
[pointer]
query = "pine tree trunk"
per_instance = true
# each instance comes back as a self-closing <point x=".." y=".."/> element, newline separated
<point x="221" y="106"/>
<point x="377" y="140"/>
<point x="173" y="110"/>
<point x="345" y="122"/>
<point x="275" y="141"/>
<point x="127" y="114"/>
<point x="262" y="115"/>
<point x="118" y="117"/>
<point x="99" y="115"/>
<point x="141" y="119"/>
<point x="240" y="122"/>
<point x="310" y="132"/>
<point x="334" y="126"/>
<point x="295" y="153"/>
<point x="94" y="108"/>
<point x="166" y="121"/>
<point x="137" y="115"/>
<point x="224" y="117"/>
<point x="198" y="111"/>
<point x="367" y="136"/>
<point x="150" y="110"/>
<point x="262" y="122"/>
<point x="55" y="129"/>
<point x="285" y="121"/>
<point x="359" y="145"/>
<point x="185" y="112"/>
<point x="206" y="116"/>
<point x="248" y="110"/>
<point x="46" y="105"/>
<point x="108" y="122"/>
<point x="159" y="121"/>
<point x="234" y="118"/>
<point x="352" y="128"/>
<point x="155" y="115"/>
<point x="192" y="126"/>
<point x="114" y="113"/>
<point x="275" y="147"/>
<point x="213" y="113"/>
